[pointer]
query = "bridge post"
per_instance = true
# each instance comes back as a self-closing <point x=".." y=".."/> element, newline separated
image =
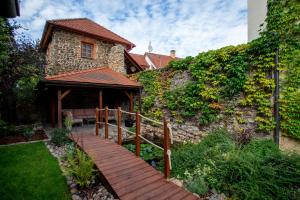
<point x="106" y="122"/>
<point x="166" y="148"/>
<point x="96" y="123"/>
<point x="137" y="134"/>
<point x="119" y="126"/>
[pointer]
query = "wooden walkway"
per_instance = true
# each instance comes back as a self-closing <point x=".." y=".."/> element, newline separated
<point x="129" y="176"/>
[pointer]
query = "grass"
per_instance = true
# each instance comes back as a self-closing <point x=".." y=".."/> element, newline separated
<point x="29" y="171"/>
<point x="257" y="170"/>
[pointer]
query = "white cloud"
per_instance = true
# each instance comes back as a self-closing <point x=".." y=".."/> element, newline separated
<point x="189" y="26"/>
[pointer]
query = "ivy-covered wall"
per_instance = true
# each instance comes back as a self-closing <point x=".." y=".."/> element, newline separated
<point x="234" y="81"/>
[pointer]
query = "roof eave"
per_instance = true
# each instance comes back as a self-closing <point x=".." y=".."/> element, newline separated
<point x="87" y="84"/>
<point x="49" y="28"/>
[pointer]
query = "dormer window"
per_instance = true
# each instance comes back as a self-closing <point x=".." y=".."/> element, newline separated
<point x="86" y="50"/>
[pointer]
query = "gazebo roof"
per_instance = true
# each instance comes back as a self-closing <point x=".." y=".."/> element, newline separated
<point x="97" y="77"/>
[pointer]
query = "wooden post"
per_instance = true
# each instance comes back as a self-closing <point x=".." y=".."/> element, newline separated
<point x="131" y="106"/>
<point x="106" y="122"/>
<point x="59" y="117"/>
<point x="97" y="122"/>
<point x="100" y="107"/>
<point x="52" y="107"/>
<point x="166" y="148"/>
<point x="119" y="126"/>
<point x="140" y="100"/>
<point x="137" y="133"/>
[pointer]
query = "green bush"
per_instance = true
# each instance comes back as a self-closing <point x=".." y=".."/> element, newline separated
<point x="6" y="129"/>
<point x="28" y="132"/>
<point x="59" y="136"/>
<point x="257" y="170"/>
<point x="148" y="152"/>
<point x="188" y="156"/>
<point x="197" y="185"/>
<point x="80" y="168"/>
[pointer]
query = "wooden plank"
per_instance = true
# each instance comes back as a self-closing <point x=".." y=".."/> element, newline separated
<point x="129" y="176"/>
<point x="142" y="190"/>
<point x="158" y="191"/>
<point x="134" y="188"/>
<point x="132" y="175"/>
<point x="133" y="179"/>
<point x="124" y="169"/>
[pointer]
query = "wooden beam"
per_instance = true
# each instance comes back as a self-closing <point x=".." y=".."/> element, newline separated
<point x="52" y="108"/>
<point x="106" y="122"/>
<point x="131" y="105"/>
<point x="126" y="93"/>
<point x="140" y="100"/>
<point x="166" y="148"/>
<point x="59" y="117"/>
<point x="119" y="126"/>
<point x="97" y="122"/>
<point x="137" y="134"/>
<point x="100" y="107"/>
<point x="65" y="93"/>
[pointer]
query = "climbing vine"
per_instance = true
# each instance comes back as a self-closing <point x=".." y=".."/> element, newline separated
<point x="244" y="72"/>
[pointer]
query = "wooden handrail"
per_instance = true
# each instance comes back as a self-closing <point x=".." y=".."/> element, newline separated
<point x="106" y="122"/>
<point x="119" y="126"/>
<point x="97" y="122"/>
<point x="166" y="149"/>
<point x="137" y="133"/>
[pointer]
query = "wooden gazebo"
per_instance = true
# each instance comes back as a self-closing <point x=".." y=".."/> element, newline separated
<point x="97" y="87"/>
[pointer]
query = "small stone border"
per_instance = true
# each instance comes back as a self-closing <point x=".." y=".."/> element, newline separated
<point x="95" y="192"/>
<point x="28" y="142"/>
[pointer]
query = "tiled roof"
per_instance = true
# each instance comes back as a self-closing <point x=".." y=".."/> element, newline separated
<point x="159" y="60"/>
<point x="140" y="59"/>
<point x="100" y="76"/>
<point x="84" y="25"/>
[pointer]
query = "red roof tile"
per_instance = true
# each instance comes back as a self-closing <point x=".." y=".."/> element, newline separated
<point x="101" y="76"/>
<point x="140" y="59"/>
<point x="159" y="60"/>
<point x="84" y="25"/>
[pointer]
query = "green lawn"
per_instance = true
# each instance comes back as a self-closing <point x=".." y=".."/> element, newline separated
<point x="28" y="171"/>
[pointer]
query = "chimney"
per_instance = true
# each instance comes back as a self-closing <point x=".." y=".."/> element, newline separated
<point x="173" y="53"/>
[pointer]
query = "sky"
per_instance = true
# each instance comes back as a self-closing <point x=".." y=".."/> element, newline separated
<point x="188" y="26"/>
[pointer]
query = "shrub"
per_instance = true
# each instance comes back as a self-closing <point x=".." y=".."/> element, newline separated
<point x="68" y="122"/>
<point x="59" y="137"/>
<point x="255" y="170"/>
<point x="188" y="156"/>
<point x="6" y="129"/>
<point x="197" y="185"/>
<point x="80" y="168"/>
<point x="148" y="152"/>
<point x="28" y="132"/>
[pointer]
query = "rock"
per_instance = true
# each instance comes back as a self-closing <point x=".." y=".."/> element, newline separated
<point x="177" y="182"/>
<point x="73" y="185"/>
<point x="73" y="190"/>
<point x="75" y="197"/>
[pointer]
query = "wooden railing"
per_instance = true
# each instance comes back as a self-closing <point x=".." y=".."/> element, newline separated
<point x="138" y="136"/>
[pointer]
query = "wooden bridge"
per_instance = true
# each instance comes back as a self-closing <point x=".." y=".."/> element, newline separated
<point x="128" y="175"/>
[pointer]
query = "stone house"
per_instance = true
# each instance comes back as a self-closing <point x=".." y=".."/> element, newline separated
<point x="86" y="67"/>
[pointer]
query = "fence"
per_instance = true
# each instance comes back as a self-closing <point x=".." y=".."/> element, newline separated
<point x="167" y="130"/>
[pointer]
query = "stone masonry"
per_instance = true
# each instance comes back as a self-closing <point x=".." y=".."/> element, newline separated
<point x="64" y="54"/>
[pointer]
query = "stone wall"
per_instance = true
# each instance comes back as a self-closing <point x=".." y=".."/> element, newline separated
<point x="64" y="54"/>
<point x="116" y="59"/>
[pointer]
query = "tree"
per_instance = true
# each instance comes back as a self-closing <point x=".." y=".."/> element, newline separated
<point x="20" y="69"/>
